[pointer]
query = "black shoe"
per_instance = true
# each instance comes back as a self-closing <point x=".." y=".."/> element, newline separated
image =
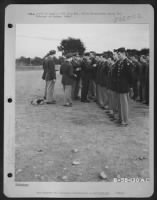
<point x="68" y="105"/>
<point x="76" y="98"/>
<point x="51" y="102"/>
<point x="123" y="125"/>
<point x="85" y="101"/>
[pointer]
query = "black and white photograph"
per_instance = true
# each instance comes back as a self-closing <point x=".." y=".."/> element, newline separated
<point x="82" y="102"/>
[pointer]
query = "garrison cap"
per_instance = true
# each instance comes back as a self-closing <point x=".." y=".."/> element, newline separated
<point x="99" y="54"/>
<point x="132" y="52"/>
<point x="69" y="55"/>
<point x="144" y="52"/>
<point x="121" y="50"/>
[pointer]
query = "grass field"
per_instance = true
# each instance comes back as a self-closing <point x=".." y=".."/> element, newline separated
<point x="50" y="137"/>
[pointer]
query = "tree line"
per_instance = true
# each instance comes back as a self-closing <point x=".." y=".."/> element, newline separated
<point x="68" y="45"/>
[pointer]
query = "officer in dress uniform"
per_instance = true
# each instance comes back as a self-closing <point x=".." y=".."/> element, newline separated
<point x="136" y="75"/>
<point x="124" y="85"/>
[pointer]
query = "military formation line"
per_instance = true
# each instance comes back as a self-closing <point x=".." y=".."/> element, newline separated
<point x="109" y="79"/>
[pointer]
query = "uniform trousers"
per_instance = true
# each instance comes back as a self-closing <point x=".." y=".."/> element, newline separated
<point x="67" y="94"/>
<point x="110" y="103"/>
<point x="92" y="89"/>
<point x="98" y="98"/>
<point x="75" y="89"/>
<point x="115" y="98"/>
<point x="103" y="96"/>
<point x="124" y="108"/>
<point x="50" y="90"/>
<point x="45" y="91"/>
<point x="84" y="89"/>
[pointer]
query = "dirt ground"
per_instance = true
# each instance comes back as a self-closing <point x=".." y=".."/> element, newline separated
<point x="50" y="137"/>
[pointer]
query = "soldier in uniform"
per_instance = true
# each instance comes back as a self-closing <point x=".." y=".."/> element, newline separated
<point x="50" y="77"/>
<point x="66" y="71"/>
<point x="144" y="77"/>
<point x="147" y="80"/>
<point x="103" y="99"/>
<point x="109" y="84"/>
<point x="115" y="95"/>
<point x="44" y="74"/>
<point x="136" y="75"/>
<point x="92" y="83"/>
<point x="76" y="63"/>
<point x="124" y="85"/>
<point x="85" y="77"/>
<point x="98" y="73"/>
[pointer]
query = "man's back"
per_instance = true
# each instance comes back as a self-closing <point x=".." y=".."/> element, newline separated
<point x="50" y="69"/>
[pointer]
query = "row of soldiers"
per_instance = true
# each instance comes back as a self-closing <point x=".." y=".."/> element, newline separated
<point x="108" y="78"/>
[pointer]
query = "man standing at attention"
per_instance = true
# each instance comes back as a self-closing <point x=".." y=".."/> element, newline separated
<point x="50" y="77"/>
<point x="124" y="84"/>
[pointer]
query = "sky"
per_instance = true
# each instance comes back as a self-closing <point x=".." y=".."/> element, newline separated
<point x="38" y="39"/>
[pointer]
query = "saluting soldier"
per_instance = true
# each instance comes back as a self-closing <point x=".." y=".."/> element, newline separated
<point x="124" y="84"/>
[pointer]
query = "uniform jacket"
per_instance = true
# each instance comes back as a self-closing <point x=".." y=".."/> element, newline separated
<point x="66" y="70"/>
<point x="50" y="69"/>
<point x="94" y="69"/>
<point x="124" y="76"/>
<point x="143" y="73"/>
<point x="109" y="76"/>
<point x="136" y="71"/>
<point x="44" y="68"/>
<point x="86" y="70"/>
<point x="114" y="77"/>
<point x="76" y="69"/>
<point x="103" y="74"/>
<point x="99" y="66"/>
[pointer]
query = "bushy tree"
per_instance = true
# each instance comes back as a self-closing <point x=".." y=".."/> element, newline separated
<point x="71" y="45"/>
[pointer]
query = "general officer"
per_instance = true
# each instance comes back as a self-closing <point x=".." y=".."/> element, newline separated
<point x="124" y="85"/>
